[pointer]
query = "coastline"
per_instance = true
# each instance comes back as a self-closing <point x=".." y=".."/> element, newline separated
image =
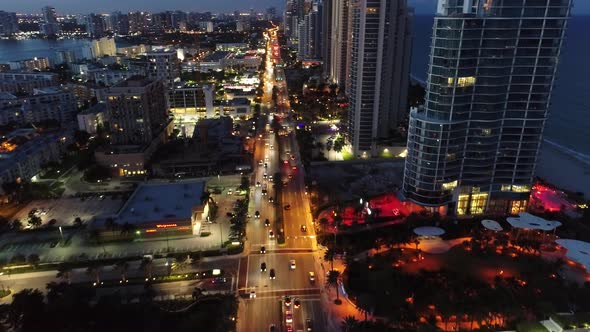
<point x="565" y="170"/>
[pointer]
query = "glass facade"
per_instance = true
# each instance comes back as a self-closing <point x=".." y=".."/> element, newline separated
<point x="491" y="73"/>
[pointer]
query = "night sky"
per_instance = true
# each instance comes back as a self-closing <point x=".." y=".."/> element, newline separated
<point x="581" y="7"/>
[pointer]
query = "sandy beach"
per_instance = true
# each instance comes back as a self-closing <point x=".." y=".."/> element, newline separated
<point x="563" y="170"/>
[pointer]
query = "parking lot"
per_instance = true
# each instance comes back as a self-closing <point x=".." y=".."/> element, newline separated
<point x="65" y="210"/>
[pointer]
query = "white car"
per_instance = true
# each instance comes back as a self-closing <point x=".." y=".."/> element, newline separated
<point x="292" y="264"/>
<point x="252" y="294"/>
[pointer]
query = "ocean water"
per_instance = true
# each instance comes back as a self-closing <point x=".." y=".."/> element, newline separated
<point x="30" y="48"/>
<point x="568" y="126"/>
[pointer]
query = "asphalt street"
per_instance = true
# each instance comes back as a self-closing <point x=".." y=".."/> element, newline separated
<point x="267" y="308"/>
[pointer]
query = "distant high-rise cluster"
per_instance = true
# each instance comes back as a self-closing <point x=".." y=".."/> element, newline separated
<point x="473" y="147"/>
<point x="366" y="47"/>
<point x="50" y="27"/>
<point x="8" y="23"/>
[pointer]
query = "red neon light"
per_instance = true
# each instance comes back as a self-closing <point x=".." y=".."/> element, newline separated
<point x="151" y="230"/>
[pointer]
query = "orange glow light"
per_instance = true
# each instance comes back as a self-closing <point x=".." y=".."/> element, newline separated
<point x="165" y="225"/>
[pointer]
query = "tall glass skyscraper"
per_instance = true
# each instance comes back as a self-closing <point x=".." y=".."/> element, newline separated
<point x="473" y="147"/>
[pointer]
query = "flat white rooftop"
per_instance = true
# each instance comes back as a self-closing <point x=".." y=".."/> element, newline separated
<point x="577" y="250"/>
<point x="528" y="221"/>
<point x="161" y="201"/>
<point x="429" y="231"/>
<point x="491" y="225"/>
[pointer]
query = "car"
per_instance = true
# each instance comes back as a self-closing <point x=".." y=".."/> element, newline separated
<point x="272" y="146"/>
<point x="262" y="249"/>
<point x="258" y="184"/>
<point x="289" y="317"/>
<point x="265" y="165"/>
<point x="289" y="328"/>
<point x="296" y="303"/>
<point x="292" y="264"/>
<point x="257" y="215"/>
<point x="262" y="267"/>
<point x="271" y="234"/>
<point x="264" y="192"/>
<point x="265" y="175"/>
<point x="285" y="161"/>
<point x="292" y="157"/>
<point x="272" y="274"/>
<point x="271" y="200"/>
<point x="229" y="192"/>
<point x="273" y="328"/>
<point x="309" y="325"/>
<point x="287" y="301"/>
<point x="252" y="294"/>
<point x="303" y="228"/>
<point x="290" y="176"/>
<point x="219" y="280"/>
<point x="312" y="277"/>
<point x="287" y="207"/>
<point x="266" y="223"/>
<point x="260" y="162"/>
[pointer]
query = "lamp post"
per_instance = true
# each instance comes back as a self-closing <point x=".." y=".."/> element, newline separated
<point x="220" y="234"/>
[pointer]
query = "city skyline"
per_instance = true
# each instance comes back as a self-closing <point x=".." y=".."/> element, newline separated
<point x="421" y="7"/>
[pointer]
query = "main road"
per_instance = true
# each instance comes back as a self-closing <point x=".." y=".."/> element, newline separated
<point x="268" y="308"/>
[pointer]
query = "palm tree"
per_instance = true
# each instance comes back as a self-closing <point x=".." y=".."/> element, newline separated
<point x="332" y="281"/>
<point x="94" y="271"/>
<point x="147" y="266"/>
<point x="180" y="263"/>
<point x="64" y="272"/>
<point x="122" y="267"/>
<point x="329" y="256"/>
<point x="323" y="222"/>
<point x="349" y="324"/>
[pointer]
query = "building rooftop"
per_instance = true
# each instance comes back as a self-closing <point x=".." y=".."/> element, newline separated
<point x="217" y="56"/>
<point x="154" y="202"/>
<point x="134" y="82"/>
<point x="95" y="109"/>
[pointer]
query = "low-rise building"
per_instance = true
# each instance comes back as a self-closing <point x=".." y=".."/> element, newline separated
<point x="189" y="102"/>
<point x="23" y="152"/>
<point x="42" y="105"/>
<point x="110" y="77"/>
<point x="25" y="82"/>
<point x="237" y="108"/>
<point x="232" y="47"/>
<point x="163" y="209"/>
<point x="133" y="51"/>
<point x="92" y="117"/>
<point x="247" y="93"/>
<point x="30" y="64"/>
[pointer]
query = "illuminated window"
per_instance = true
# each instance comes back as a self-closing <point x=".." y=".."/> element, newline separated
<point x="451" y="157"/>
<point x="371" y="10"/>
<point x="506" y="187"/>
<point x="478" y="203"/>
<point x="465" y="81"/>
<point x="462" y="204"/>
<point x="517" y="188"/>
<point x="518" y="206"/>
<point x="486" y="132"/>
<point x="475" y="190"/>
<point x="449" y="185"/>
<point x="450" y="80"/>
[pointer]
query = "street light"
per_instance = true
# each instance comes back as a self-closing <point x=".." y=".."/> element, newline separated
<point x="61" y="233"/>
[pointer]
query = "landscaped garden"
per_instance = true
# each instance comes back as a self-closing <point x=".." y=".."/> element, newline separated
<point x="475" y="290"/>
